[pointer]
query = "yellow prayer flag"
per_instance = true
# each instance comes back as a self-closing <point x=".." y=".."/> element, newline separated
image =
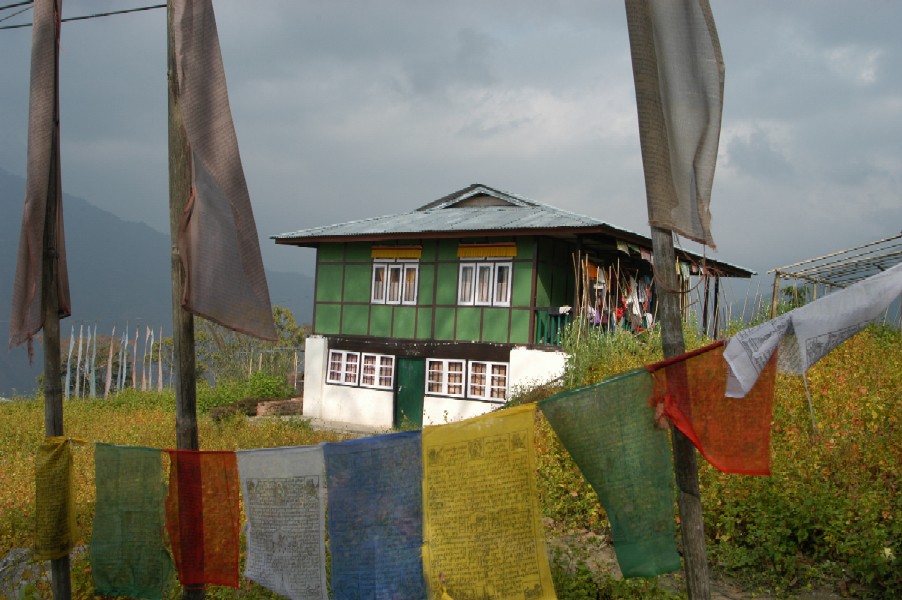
<point x="483" y="535"/>
<point x="55" y="532"/>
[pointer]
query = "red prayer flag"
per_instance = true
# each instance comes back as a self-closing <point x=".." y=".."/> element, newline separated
<point x="733" y="434"/>
<point x="202" y="516"/>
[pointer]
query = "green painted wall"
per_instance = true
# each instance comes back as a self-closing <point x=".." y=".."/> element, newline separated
<point x="495" y="322"/>
<point x="344" y="278"/>
<point x="355" y="319"/>
<point x="444" y="323"/>
<point x="404" y="322"/>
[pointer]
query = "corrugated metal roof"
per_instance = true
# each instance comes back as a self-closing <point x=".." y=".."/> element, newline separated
<point x="479" y="210"/>
<point x="444" y="216"/>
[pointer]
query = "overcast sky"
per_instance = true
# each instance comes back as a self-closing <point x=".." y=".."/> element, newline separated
<point x="347" y="110"/>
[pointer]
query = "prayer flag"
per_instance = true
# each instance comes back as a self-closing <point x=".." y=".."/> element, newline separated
<point x="376" y="516"/>
<point x="678" y="70"/>
<point x="26" y="315"/>
<point x="128" y="554"/>
<point x="225" y="280"/>
<point x="202" y="516"/>
<point x="483" y="536"/>
<point x="609" y="430"/>
<point x="733" y="434"/>
<point x="55" y="532"/>
<point x="806" y="334"/>
<point x="284" y="503"/>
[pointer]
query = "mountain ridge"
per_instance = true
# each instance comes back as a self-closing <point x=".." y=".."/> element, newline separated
<point x="119" y="271"/>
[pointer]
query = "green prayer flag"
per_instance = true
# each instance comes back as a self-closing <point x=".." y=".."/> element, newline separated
<point x="128" y="556"/>
<point x="609" y="430"/>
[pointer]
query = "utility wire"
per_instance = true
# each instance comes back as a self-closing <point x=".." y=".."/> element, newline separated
<point x="17" y="4"/>
<point x="85" y="17"/>
<point x="14" y="14"/>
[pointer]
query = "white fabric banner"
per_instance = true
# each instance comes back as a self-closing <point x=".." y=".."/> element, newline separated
<point x="284" y="501"/>
<point x="807" y="334"/>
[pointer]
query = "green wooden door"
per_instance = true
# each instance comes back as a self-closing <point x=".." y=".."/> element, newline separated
<point x="409" y="394"/>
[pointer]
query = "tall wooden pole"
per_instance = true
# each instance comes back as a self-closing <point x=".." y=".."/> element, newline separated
<point x="60" y="582"/>
<point x="685" y="463"/>
<point x="182" y="320"/>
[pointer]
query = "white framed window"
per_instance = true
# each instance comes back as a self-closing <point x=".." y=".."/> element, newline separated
<point x="445" y="377"/>
<point x="395" y="282"/>
<point x="487" y="380"/>
<point x="484" y="283"/>
<point x="344" y="367"/>
<point x="380" y="271"/>
<point x="377" y="371"/>
<point x="465" y="284"/>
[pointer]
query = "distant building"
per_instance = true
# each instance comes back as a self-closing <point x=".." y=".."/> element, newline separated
<point x="437" y="314"/>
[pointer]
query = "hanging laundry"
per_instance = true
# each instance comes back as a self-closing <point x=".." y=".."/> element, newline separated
<point x="807" y="334"/>
<point x="128" y="553"/>
<point x="482" y="528"/>
<point x="284" y="504"/>
<point x="609" y="430"/>
<point x="202" y="516"/>
<point x="375" y="489"/>
<point x="55" y="532"/>
<point x="733" y="434"/>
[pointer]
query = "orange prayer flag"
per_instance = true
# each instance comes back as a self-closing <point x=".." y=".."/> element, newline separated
<point x="733" y="434"/>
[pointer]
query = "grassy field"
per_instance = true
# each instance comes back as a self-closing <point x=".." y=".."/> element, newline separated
<point x="829" y="515"/>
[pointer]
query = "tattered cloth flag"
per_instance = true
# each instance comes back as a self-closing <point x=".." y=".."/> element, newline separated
<point x="806" y="334"/>
<point x="483" y="535"/>
<point x="284" y="503"/>
<point x="225" y="280"/>
<point x="128" y="553"/>
<point x="376" y="516"/>
<point x="609" y="430"/>
<point x="26" y="314"/>
<point x="55" y="531"/>
<point x="202" y="509"/>
<point x="733" y="434"/>
<point x="678" y="70"/>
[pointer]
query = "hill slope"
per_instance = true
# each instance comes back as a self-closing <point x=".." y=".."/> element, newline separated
<point x="118" y="270"/>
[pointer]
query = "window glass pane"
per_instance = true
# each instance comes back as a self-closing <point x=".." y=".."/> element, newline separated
<point x="484" y="283"/>
<point x="335" y="366"/>
<point x="434" y="376"/>
<point x="394" y="284"/>
<point x="499" y="382"/>
<point x="465" y="289"/>
<point x="386" y="371"/>
<point x="477" y="380"/>
<point x="502" y="284"/>
<point x="351" y="360"/>
<point x="410" y="284"/>
<point x="368" y="375"/>
<point x="455" y="378"/>
<point x="378" y="283"/>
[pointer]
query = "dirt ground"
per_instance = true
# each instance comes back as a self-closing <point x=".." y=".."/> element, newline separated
<point x="599" y="556"/>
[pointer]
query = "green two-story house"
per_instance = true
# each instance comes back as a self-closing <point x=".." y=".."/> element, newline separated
<point x="437" y="314"/>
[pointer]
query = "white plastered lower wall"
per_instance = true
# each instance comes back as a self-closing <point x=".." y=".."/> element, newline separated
<point x="375" y="408"/>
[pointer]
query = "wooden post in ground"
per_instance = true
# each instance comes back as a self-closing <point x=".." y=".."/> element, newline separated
<point x="685" y="463"/>
<point x="60" y="582"/>
<point x="182" y="320"/>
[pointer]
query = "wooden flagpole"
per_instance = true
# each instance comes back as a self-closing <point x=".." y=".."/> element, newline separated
<point x="60" y="582"/>
<point x="685" y="463"/>
<point x="182" y="321"/>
